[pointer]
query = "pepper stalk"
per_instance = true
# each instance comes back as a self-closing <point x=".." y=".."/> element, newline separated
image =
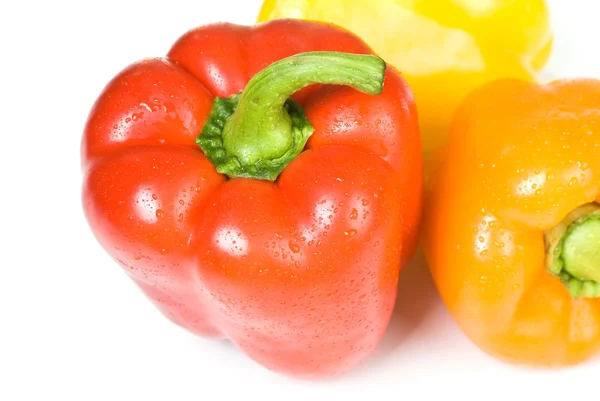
<point x="258" y="132"/>
<point x="573" y="251"/>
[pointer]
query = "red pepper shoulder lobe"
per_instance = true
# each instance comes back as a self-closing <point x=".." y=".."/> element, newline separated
<point x="151" y="102"/>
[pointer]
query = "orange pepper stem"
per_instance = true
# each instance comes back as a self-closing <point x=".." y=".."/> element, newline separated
<point x="573" y="251"/>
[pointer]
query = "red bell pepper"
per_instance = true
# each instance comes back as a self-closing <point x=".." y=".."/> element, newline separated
<point x="280" y="222"/>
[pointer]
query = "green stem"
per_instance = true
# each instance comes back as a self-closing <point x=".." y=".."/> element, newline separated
<point x="259" y="132"/>
<point x="573" y="251"/>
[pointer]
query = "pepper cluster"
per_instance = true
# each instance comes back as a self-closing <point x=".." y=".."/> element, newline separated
<point x="268" y="183"/>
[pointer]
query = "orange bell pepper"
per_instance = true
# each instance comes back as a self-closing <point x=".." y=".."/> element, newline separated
<point x="512" y="227"/>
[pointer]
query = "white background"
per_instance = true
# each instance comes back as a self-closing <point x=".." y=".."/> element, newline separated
<point x="74" y="327"/>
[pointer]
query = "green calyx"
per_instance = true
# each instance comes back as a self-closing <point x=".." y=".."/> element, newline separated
<point x="257" y="133"/>
<point x="227" y="162"/>
<point x="573" y="251"/>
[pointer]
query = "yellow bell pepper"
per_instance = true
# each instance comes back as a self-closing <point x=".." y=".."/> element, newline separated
<point x="444" y="48"/>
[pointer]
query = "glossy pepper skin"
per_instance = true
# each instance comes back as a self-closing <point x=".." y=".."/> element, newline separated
<point x="520" y="159"/>
<point x="299" y="271"/>
<point x="444" y="48"/>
